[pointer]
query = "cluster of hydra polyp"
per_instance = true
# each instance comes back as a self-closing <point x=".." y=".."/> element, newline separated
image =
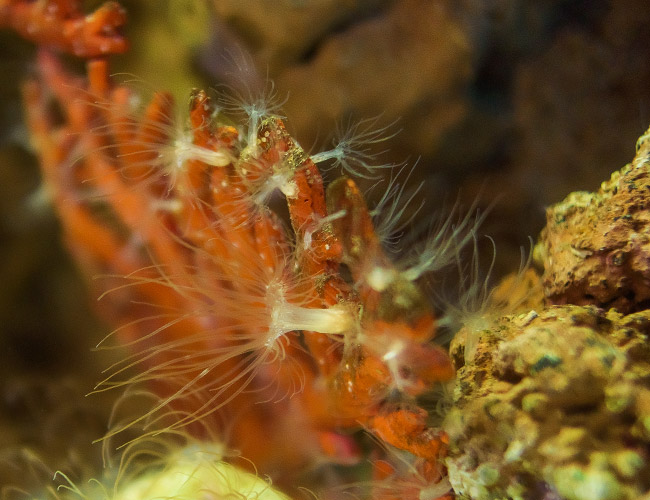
<point x="280" y="339"/>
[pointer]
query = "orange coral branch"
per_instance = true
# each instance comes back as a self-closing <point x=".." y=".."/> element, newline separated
<point x="62" y="25"/>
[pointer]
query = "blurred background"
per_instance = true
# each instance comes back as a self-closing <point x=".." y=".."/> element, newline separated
<point x="509" y="104"/>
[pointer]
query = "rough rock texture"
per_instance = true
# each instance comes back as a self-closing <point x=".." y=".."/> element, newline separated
<point x="553" y="405"/>
<point x="595" y="248"/>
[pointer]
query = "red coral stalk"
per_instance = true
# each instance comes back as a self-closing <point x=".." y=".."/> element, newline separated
<point x="61" y="24"/>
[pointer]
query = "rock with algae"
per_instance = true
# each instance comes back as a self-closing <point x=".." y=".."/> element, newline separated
<point x="595" y="248"/>
<point x="553" y="405"/>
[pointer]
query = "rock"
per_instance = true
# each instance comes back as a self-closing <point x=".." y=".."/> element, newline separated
<point x="595" y="248"/>
<point x="553" y="405"/>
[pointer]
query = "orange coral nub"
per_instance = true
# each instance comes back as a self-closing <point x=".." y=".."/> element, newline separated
<point x="406" y="429"/>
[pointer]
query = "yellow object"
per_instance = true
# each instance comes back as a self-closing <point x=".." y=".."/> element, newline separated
<point x="195" y="472"/>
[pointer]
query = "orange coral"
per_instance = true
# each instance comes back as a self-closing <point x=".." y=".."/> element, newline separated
<point x="61" y="24"/>
<point x="224" y="310"/>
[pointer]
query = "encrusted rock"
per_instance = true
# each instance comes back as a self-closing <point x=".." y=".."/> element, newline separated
<point x="595" y="248"/>
<point x="553" y="404"/>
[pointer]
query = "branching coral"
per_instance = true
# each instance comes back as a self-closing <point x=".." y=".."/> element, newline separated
<point x="226" y="312"/>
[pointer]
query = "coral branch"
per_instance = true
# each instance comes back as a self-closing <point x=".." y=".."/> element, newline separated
<point x="62" y="25"/>
<point x="222" y="307"/>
